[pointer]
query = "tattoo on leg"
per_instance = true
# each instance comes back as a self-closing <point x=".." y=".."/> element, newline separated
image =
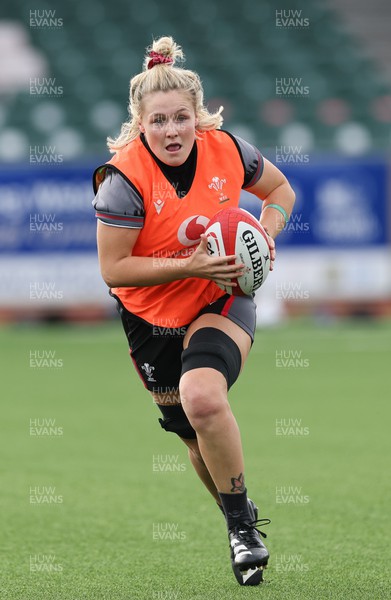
<point x="238" y="483"/>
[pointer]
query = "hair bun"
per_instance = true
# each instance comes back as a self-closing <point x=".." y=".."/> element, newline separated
<point x="166" y="48"/>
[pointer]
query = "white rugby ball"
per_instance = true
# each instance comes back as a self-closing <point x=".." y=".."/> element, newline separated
<point x="236" y="231"/>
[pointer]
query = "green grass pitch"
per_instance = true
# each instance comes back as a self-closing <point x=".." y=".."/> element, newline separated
<point x="103" y="504"/>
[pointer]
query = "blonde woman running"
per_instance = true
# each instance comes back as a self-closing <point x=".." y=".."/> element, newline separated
<point x="172" y="170"/>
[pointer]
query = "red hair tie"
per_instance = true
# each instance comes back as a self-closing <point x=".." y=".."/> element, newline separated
<point x="158" y="59"/>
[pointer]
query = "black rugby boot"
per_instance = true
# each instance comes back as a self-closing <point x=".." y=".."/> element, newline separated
<point x="249" y="556"/>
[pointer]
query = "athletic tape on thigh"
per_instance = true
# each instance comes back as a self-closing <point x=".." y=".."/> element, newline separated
<point x="211" y="347"/>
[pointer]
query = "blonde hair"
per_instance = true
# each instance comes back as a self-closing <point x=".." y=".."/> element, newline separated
<point x="164" y="77"/>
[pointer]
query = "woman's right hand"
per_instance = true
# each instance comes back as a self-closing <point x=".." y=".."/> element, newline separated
<point x="201" y="264"/>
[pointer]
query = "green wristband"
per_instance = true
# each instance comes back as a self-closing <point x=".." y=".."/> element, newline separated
<point x="280" y="209"/>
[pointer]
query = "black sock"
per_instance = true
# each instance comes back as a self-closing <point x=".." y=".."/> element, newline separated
<point x="235" y="508"/>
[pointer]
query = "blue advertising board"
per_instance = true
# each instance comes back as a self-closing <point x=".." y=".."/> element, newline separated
<point x="46" y="209"/>
<point x="339" y="203"/>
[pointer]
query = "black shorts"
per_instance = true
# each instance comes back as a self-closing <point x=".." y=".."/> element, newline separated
<point x="156" y="351"/>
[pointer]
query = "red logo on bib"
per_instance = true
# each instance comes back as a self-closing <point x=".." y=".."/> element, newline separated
<point x="189" y="232"/>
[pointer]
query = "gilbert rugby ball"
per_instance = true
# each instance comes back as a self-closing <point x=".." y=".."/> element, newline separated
<point x="236" y="231"/>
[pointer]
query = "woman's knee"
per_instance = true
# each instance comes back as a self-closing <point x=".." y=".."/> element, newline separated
<point x="204" y="397"/>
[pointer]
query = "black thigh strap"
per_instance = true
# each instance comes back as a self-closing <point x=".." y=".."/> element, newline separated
<point x="211" y="347"/>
